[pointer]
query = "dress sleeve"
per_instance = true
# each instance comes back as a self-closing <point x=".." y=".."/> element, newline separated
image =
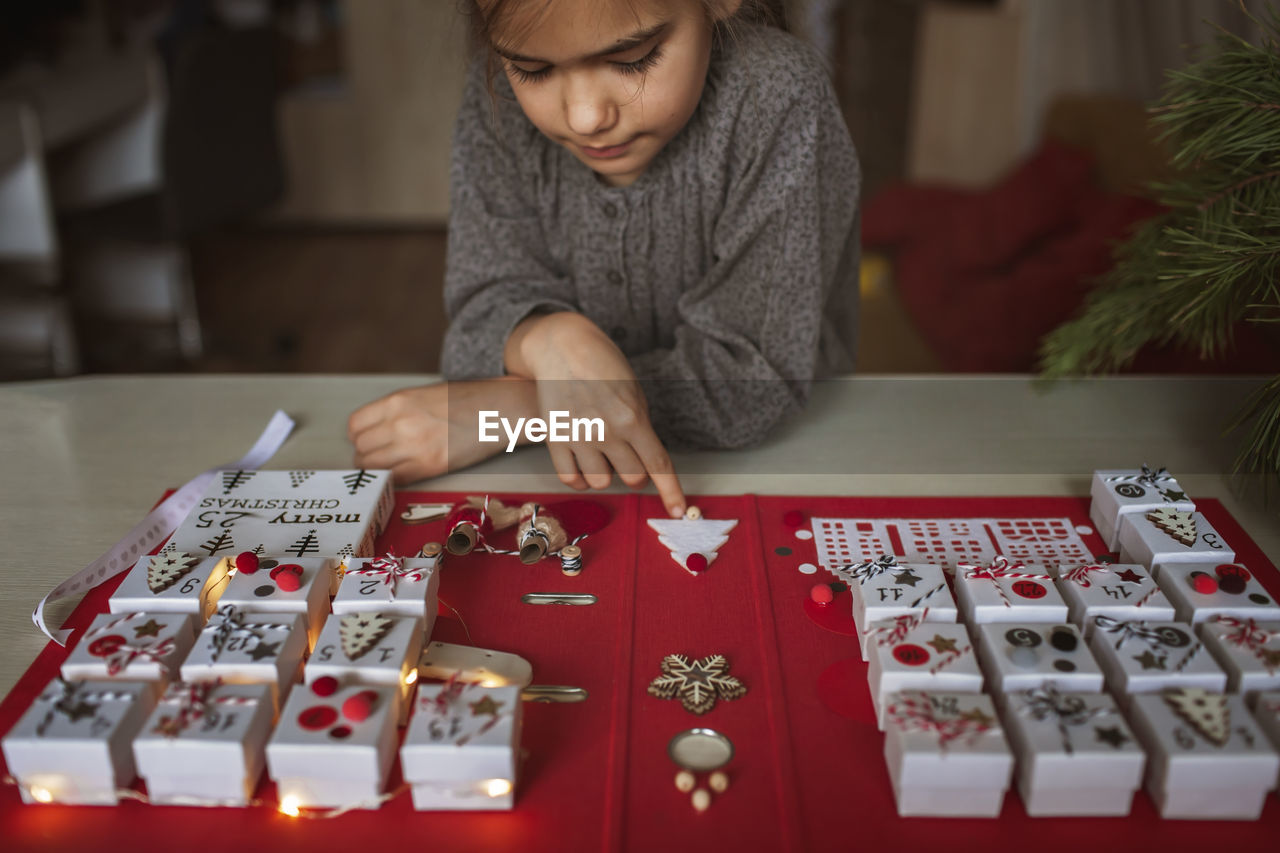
<point x="750" y="335"/>
<point x="498" y="267"/>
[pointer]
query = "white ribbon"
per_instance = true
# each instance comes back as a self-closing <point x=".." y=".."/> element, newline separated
<point x="158" y="524"/>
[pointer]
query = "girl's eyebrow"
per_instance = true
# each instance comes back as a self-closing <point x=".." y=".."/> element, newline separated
<point x="634" y="40"/>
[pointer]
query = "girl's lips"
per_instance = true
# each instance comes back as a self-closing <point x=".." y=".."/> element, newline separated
<point x="606" y="153"/>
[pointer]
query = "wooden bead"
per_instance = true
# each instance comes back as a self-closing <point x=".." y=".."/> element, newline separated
<point x="693" y="513"/>
<point x="685" y="781"/>
<point x="719" y="782"/>
<point x="701" y="800"/>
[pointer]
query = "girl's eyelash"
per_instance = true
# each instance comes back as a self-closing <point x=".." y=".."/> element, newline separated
<point x="639" y="66"/>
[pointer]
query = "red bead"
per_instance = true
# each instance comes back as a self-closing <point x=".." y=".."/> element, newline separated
<point x="794" y="518"/>
<point x="821" y="593"/>
<point x="357" y="708"/>
<point x="325" y="685"/>
<point x="1203" y="584"/>
<point x="246" y="562"/>
<point x="696" y="563"/>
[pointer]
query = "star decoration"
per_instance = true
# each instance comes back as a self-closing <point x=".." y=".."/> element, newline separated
<point x="1270" y="657"/>
<point x="1149" y="660"/>
<point x="942" y="644"/>
<point x="1111" y="735"/>
<point x="1173" y="495"/>
<point x="1129" y="576"/>
<point x="79" y="711"/>
<point x="150" y="628"/>
<point x="906" y="578"/>
<point x="976" y="715"/>
<point x="698" y="683"/>
<point x="169" y="727"/>
<point x="485" y="706"/>
<point x="263" y="650"/>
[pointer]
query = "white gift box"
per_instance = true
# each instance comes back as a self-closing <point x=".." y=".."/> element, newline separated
<point x="1144" y="657"/>
<point x="1115" y="493"/>
<point x="379" y="649"/>
<point x="289" y="514"/>
<point x="1075" y="753"/>
<point x="1207" y="757"/>
<point x="1008" y="592"/>
<point x="391" y="584"/>
<point x="1163" y="536"/>
<point x="72" y="745"/>
<point x="1123" y="591"/>
<point x="884" y="588"/>
<point x="947" y="754"/>
<point x="1024" y="657"/>
<point x="131" y="646"/>
<point x="288" y="585"/>
<point x="204" y="744"/>
<point x="1247" y="651"/>
<point x="171" y="582"/>
<point x="930" y="656"/>
<point x="1200" y="591"/>
<point x="239" y="647"/>
<point x="1266" y="713"/>
<point x="462" y="746"/>
<point x="334" y="750"/>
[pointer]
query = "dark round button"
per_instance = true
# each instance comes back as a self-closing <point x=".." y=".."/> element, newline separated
<point x="264" y="590"/>
<point x="782" y="551"/>
<point x="610" y="210"/>
<point x="1063" y="640"/>
<point x="1023" y="638"/>
<point x="1064" y="666"/>
<point x="1258" y="598"/>
<point x="614" y="277"/>
<point x="1232" y="584"/>
<point x="1174" y="637"/>
<point x="618" y="333"/>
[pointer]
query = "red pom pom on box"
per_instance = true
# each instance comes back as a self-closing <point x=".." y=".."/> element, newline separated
<point x="246" y="562"/>
<point x="288" y="577"/>
<point x="821" y="593"/>
<point x="1203" y="584"/>
<point x="696" y="563"/>
<point x="357" y="708"/>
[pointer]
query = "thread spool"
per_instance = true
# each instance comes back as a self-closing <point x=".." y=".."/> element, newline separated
<point x="462" y="539"/>
<point x="571" y="560"/>
<point x="432" y="551"/>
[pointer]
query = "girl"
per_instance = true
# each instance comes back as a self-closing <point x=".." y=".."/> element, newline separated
<point x="654" y="222"/>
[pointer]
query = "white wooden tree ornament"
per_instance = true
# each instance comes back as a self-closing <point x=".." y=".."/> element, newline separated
<point x="693" y="541"/>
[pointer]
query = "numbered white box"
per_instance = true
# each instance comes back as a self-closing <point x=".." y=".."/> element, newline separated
<point x="461" y="751"/>
<point x="171" y="582"/>
<point x="285" y="586"/>
<point x="1247" y="651"/>
<point x="334" y="749"/>
<point x="72" y="746"/>
<point x="1145" y="657"/>
<point x="245" y="647"/>
<point x="1266" y="713"/>
<point x="1024" y="657"/>
<point x="403" y="585"/>
<point x="1208" y="760"/>
<point x="1166" y="536"/>
<point x="1124" y="591"/>
<point x="131" y="647"/>
<point x="1118" y="492"/>
<point x="884" y="588"/>
<point x="947" y="754"/>
<point x="1001" y="591"/>
<point x="205" y="744"/>
<point x="1201" y="591"/>
<point x="932" y="656"/>
<point x="370" y="648"/>
<point x="1075" y="754"/>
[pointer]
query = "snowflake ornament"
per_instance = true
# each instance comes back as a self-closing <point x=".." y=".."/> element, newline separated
<point x="698" y="683"/>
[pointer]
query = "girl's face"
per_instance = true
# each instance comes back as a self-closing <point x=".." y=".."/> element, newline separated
<point x="612" y="82"/>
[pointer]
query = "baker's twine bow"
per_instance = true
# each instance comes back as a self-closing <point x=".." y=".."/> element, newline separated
<point x="445" y="704"/>
<point x="1065" y="710"/>
<point x="1000" y="568"/>
<point x="126" y="653"/>
<point x="71" y="697"/>
<point x="1126" y="631"/>
<point x="897" y="631"/>
<point x="1080" y="574"/>
<point x="868" y="569"/>
<point x="194" y="701"/>
<point x="914" y="712"/>
<point x="1153" y="477"/>
<point x="230" y="623"/>
<point x="391" y="569"/>
<point x="1248" y="634"/>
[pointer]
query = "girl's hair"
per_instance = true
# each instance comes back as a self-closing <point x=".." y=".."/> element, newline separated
<point x="489" y="17"/>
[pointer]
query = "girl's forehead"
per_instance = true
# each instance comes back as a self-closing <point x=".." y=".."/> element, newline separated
<point x="559" y="30"/>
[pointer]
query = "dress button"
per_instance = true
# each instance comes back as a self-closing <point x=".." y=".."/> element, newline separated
<point x="610" y="210"/>
<point x="614" y="277"/>
<point x="618" y="333"/>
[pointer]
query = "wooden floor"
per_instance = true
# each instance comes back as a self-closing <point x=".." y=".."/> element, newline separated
<point x="325" y="301"/>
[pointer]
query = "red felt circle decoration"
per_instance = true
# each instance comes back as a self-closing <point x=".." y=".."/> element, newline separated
<point x="1232" y="570"/>
<point x="1029" y="589"/>
<point x="909" y="654"/>
<point x="325" y="685"/>
<point x="317" y="717"/>
<point x="105" y="646"/>
<point x="696" y="563"/>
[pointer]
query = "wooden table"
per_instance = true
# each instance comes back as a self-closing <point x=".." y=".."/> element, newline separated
<point x="84" y="459"/>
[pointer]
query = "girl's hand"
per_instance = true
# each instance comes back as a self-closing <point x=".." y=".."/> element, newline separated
<point x="579" y="370"/>
<point x="412" y="433"/>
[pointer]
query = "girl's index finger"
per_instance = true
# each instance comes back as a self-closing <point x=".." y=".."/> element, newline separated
<point x="657" y="462"/>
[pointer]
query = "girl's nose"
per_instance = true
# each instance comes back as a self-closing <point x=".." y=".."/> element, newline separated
<point x="589" y="110"/>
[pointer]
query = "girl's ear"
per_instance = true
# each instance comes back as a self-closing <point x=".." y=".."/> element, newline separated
<point x="723" y="10"/>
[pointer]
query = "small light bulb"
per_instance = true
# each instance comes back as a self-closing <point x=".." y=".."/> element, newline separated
<point x="493" y="682"/>
<point x="498" y="787"/>
<point x="40" y="794"/>
<point x="290" y="806"/>
<point x="411" y="678"/>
